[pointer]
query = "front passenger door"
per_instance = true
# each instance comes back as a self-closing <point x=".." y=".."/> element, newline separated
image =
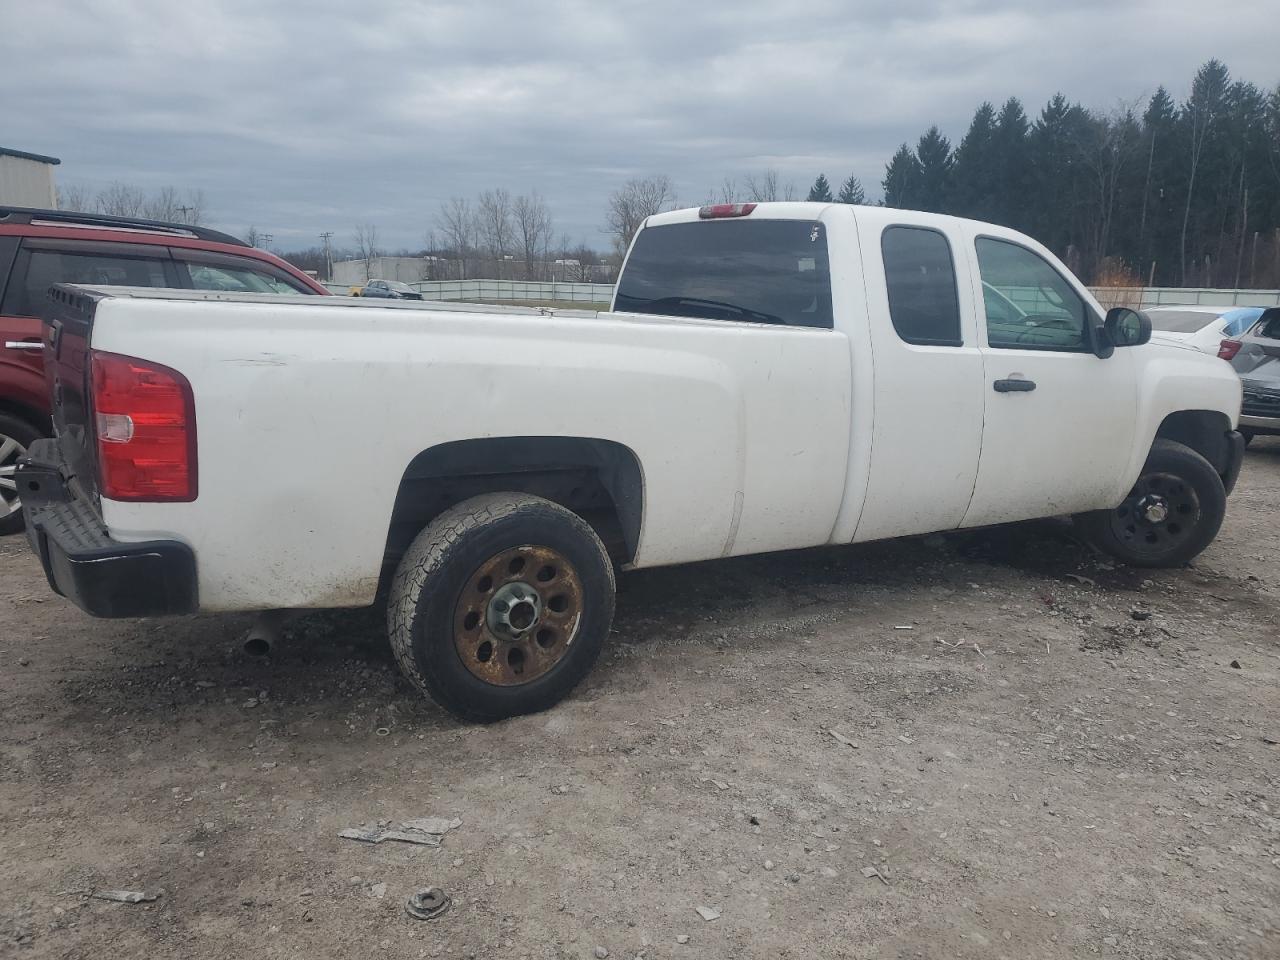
<point x="1059" y="422"/>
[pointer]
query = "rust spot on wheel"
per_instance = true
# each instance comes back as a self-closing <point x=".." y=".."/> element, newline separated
<point x="517" y="615"/>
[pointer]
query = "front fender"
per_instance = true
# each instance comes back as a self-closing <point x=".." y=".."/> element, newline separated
<point x="1173" y="379"/>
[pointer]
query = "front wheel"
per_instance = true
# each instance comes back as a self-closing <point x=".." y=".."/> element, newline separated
<point x="501" y="605"/>
<point x="1172" y="513"/>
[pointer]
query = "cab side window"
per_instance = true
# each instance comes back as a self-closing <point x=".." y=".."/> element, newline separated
<point x="921" y="278"/>
<point x="1029" y="305"/>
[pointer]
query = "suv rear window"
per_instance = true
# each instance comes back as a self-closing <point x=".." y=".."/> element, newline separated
<point x="47" y="267"/>
<point x="755" y="271"/>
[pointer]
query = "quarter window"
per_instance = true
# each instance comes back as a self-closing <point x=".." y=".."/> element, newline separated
<point x="1029" y="304"/>
<point x="237" y="279"/>
<point x="921" y="278"/>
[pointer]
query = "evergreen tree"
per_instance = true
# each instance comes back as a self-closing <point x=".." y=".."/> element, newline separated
<point x="852" y="192"/>
<point x="1013" y="166"/>
<point x="976" y="185"/>
<point x="820" y="192"/>
<point x="934" y="155"/>
<point x="902" y="179"/>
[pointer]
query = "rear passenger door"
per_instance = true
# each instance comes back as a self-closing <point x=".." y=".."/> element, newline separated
<point x="1059" y="421"/>
<point x="927" y="422"/>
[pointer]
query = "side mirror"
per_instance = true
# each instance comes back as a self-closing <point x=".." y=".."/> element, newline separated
<point x="1127" y="328"/>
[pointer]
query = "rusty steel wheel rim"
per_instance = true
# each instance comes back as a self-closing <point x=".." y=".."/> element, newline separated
<point x="517" y="615"/>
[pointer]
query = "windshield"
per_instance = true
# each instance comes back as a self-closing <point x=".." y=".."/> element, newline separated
<point x="757" y="271"/>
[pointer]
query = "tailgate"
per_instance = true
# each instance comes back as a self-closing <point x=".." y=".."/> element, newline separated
<point x="68" y="324"/>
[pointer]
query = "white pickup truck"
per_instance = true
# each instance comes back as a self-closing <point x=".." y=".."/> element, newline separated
<point x="771" y="376"/>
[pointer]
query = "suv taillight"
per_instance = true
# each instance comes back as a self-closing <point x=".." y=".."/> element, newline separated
<point x="1228" y="349"/>
<point x="145" y="420"/>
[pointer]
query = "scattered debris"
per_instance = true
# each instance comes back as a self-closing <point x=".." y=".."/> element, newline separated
<point x="1083" y="581"/>
<point x="1270" y="740"/>
<point x="708" y="914"/>
<point x="436" y="825"/>
<point x="1140" y="614"/>
<point x="1235" y="665"/>
<point x="904" y="628"/>
<point x="870" y="872"/>
<point x="719" y="784"/>
<point x="378" y="890"/>
<point x="378" y="836"/>
<point x="841" y="738"/>
<point x="905" y="739"/>
<point x="978" y="650"/>
<point x="769" y="864"/>
<point x="682" y="938"/>
<point x="382" y="732"/>
<point x="601" y="952"/>
<point x="427" y="904"/>
<point x="666" y="723"/>
<point x="124" y="896"/>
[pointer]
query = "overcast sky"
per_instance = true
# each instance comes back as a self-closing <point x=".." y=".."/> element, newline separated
<point x="309" y="116"/>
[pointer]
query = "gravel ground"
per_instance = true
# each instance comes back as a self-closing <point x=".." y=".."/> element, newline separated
<point x="992" y="744"/>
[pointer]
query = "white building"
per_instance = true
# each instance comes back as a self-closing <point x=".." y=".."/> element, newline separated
<point x="26" y="179"/>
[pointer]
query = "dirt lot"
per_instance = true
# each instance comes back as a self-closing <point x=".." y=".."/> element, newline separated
<point x="1058" y="759"/>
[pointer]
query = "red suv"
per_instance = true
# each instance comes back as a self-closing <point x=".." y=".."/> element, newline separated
<point x="39" y="248"/>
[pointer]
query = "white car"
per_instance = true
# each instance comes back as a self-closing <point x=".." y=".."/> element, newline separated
<point x="1200" y="326"/>
<point x="770" y="377"/>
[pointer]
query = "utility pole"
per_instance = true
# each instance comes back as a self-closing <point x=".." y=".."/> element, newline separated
<point x="328" y="254"/>
<point x="185" y="211"/>
<point x="266" y="239"/>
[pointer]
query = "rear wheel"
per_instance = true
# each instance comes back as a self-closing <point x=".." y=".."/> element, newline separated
<point x="501" y="606"/>
<point x="15" y="437"/>
<point x="1172" y="513"/>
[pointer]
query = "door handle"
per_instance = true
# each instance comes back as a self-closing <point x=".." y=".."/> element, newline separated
<point x="24" y="345"/>
<point x="1014" y="386"/>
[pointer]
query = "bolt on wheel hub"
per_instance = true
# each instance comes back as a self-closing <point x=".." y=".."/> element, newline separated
<point x="1153" y="509"/>
<point x="514" y="609"/>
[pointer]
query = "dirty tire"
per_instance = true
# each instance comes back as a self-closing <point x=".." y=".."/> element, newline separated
<point x="1191" y="491"/>
<point x="440" y="564"/>
<point x="13" y="430"/>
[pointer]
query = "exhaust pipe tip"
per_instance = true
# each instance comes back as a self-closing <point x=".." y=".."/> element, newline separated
<point x="257" y="645"/>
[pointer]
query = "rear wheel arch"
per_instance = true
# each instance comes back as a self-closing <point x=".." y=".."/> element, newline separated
<point x="600" y="480"/>
<point x="37" y="420"/>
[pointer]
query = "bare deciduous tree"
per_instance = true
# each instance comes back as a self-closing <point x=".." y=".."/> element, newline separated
<point x="533" y="233"/>
<point x="367" y="246"/>
<point x="457" y="222"/>
<point x="121" y="200"/>
<point x="765" y="188"/>
<point x="494" y="224"/>
<point x="169" y="205"/>
<point x="252" y="237"/>
<point x="639" y="198"/>
<point x="75" y="198"/>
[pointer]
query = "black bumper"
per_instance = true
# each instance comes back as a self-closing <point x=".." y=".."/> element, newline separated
<point x="1235" y="457"/>
<point x="103" y="577"/>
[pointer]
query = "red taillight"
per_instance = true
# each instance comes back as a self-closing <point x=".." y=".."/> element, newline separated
<point x="1228" y="349"/>
<point x="145" y="423"/>
<point x="721" y="211"/>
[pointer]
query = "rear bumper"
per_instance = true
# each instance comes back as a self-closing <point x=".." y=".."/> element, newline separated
<point x="1260" y="424"/>
<point x="102" y="576"/>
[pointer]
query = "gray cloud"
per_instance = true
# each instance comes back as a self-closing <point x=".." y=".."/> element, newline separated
<point x="327" y="114"/>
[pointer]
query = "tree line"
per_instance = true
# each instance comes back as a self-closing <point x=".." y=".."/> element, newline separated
<point x="1161" y="192"/>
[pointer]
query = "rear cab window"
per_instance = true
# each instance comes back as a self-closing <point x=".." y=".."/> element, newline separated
<point x="920" y="275"/>
<point x="749" y="271"/>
